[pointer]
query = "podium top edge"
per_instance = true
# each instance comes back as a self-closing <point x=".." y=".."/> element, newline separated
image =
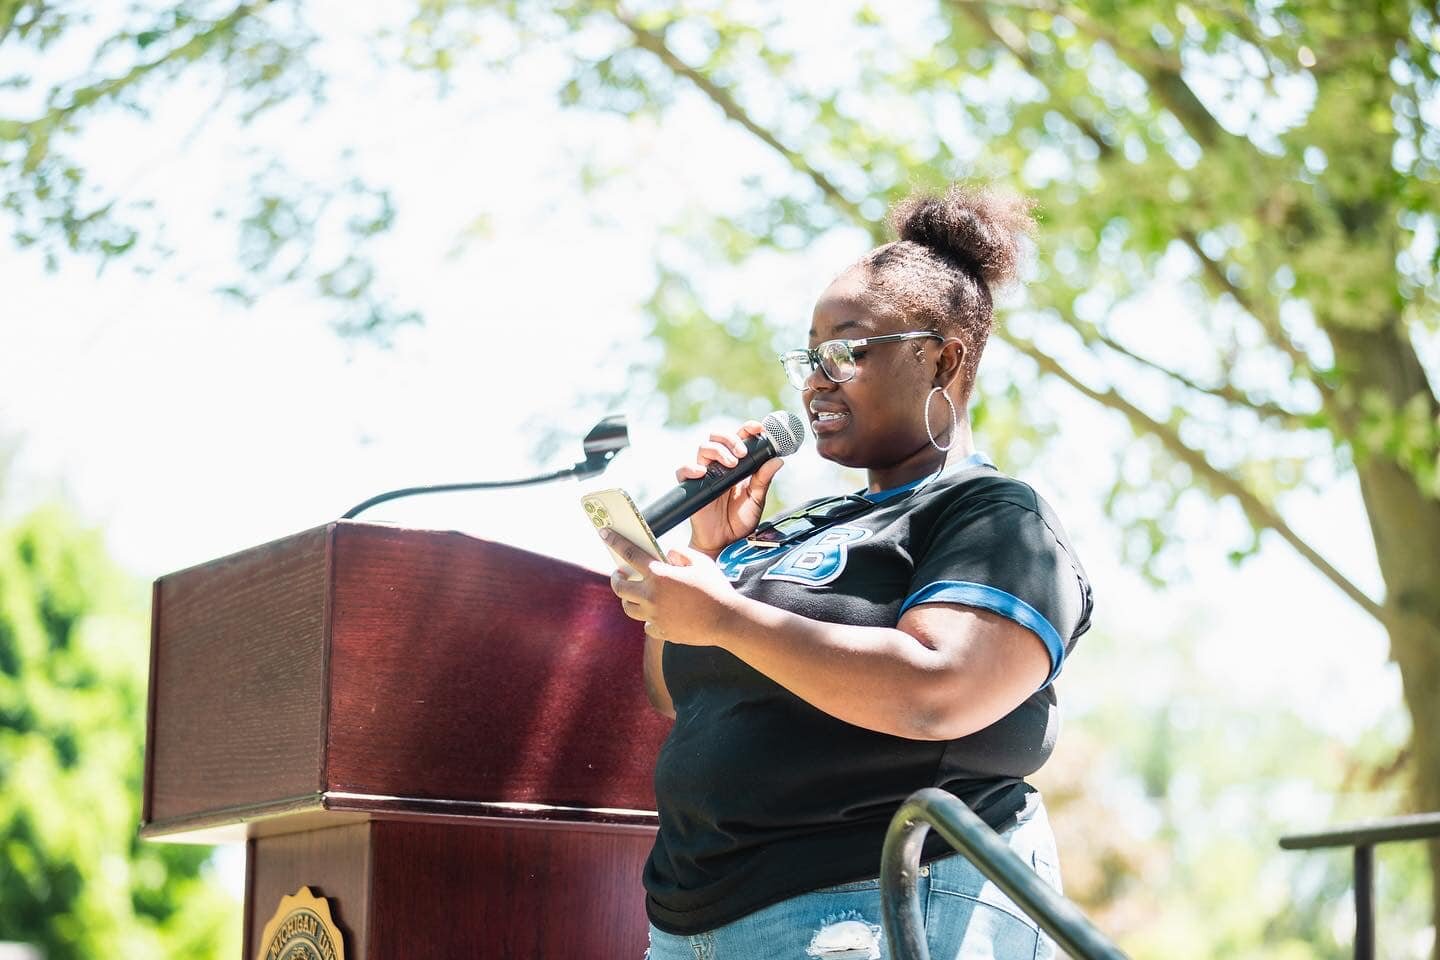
<point x="329" y="529"/>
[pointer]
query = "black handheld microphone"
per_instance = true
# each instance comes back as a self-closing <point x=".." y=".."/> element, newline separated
<point x="784" y="432"/>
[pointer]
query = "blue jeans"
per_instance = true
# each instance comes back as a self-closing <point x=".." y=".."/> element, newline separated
<point x="966" y="917"/>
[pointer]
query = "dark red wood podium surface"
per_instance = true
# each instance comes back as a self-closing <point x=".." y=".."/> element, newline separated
<point x="446" y="737"/>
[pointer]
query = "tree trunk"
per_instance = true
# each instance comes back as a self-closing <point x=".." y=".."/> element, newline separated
<point x="1415" y="647"/>
<point x="1405" y="522"/>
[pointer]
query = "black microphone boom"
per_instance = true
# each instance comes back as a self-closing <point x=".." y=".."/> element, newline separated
<point x="784" y="432"/>
<point x="605" y="439"/>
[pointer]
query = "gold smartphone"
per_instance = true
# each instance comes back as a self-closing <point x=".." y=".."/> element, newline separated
<point x="614" y="510"/>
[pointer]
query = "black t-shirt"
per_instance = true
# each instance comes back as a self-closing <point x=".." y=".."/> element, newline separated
<point x="761" y="795"/>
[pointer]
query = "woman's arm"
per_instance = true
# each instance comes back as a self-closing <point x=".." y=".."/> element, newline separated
<point x="946" y="670"/>
<point x="655" y="687"/>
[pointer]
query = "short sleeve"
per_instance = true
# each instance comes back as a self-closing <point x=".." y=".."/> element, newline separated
<point x="1004" y="557"/>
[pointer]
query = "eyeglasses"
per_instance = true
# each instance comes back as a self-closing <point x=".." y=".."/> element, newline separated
<point x="836" y="358"/>
<point x="783" y="531"/>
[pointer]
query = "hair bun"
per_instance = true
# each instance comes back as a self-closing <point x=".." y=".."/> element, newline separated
<point x="982" y="227"/>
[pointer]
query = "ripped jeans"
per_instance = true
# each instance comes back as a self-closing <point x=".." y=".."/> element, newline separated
<point x="966" y="916"/>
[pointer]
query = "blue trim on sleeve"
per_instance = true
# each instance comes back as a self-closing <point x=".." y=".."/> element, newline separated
<point x="995" y="600"/>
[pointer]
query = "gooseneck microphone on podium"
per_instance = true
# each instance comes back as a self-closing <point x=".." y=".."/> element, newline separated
<point x="605" y="439"/>
<point x="783" y="434"/>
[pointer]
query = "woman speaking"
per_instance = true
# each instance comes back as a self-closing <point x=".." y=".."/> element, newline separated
<point x="822" y="666"/>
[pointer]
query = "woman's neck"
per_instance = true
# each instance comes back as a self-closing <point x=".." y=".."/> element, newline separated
<point x="923" y="462"/>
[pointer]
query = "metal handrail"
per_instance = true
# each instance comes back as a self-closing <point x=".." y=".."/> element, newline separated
<point x="963" y="830"/>
<point x="1363" y="837"/>
<point x="1414" y="826"/>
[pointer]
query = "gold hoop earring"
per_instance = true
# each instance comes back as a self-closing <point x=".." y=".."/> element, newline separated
<point x="954" y="418"/>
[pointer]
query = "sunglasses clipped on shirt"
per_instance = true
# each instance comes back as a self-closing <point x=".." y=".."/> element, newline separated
<point x="794" y="527"/>
<point x="836" y="358"/>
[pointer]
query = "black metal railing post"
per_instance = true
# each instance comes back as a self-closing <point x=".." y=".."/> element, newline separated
<point x="967" y="833"/>
<point x="1364" y="838"/>
<point x="1365" y="902"/>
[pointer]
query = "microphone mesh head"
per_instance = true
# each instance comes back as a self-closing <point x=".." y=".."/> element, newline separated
<point x="785" y="430"/>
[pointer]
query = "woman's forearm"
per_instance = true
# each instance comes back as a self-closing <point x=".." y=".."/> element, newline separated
<point x="883" y="679"/>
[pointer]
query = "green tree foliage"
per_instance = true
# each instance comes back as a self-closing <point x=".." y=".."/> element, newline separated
<point x="75" y="879"/>
<point x="56" y="205"/>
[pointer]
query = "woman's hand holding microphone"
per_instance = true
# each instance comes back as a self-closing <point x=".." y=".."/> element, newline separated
<point x="737" y="513"/>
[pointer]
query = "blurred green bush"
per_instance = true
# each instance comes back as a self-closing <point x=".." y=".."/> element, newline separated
<point x="75" y="879"/>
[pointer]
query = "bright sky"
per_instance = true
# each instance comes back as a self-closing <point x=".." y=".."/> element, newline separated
<point x="189" y="428"/>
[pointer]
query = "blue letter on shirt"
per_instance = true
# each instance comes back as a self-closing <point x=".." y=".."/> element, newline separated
<point x="820" y="559"/>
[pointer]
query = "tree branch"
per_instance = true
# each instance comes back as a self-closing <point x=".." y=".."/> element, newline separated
<point x="191" y="49"/>
<point x="1083" y="21"/>
<point x="1260" y="514"/>
<point x="1266" y="409"/>
<point x="655" y="44"/>
<point x="1014" y="42"/>
<point x="1164" y="75"/>
<point x="1268" y="317"/>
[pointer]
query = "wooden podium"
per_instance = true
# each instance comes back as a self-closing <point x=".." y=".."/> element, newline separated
<point x="446" y="738"/>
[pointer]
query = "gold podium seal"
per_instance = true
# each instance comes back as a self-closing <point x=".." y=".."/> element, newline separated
<point x="301" y="929"/>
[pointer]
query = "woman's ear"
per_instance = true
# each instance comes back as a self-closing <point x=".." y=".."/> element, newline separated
<point x="950" y="362"/>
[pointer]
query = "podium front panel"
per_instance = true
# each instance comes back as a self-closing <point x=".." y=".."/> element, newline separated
<point x="478" y="672"/>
